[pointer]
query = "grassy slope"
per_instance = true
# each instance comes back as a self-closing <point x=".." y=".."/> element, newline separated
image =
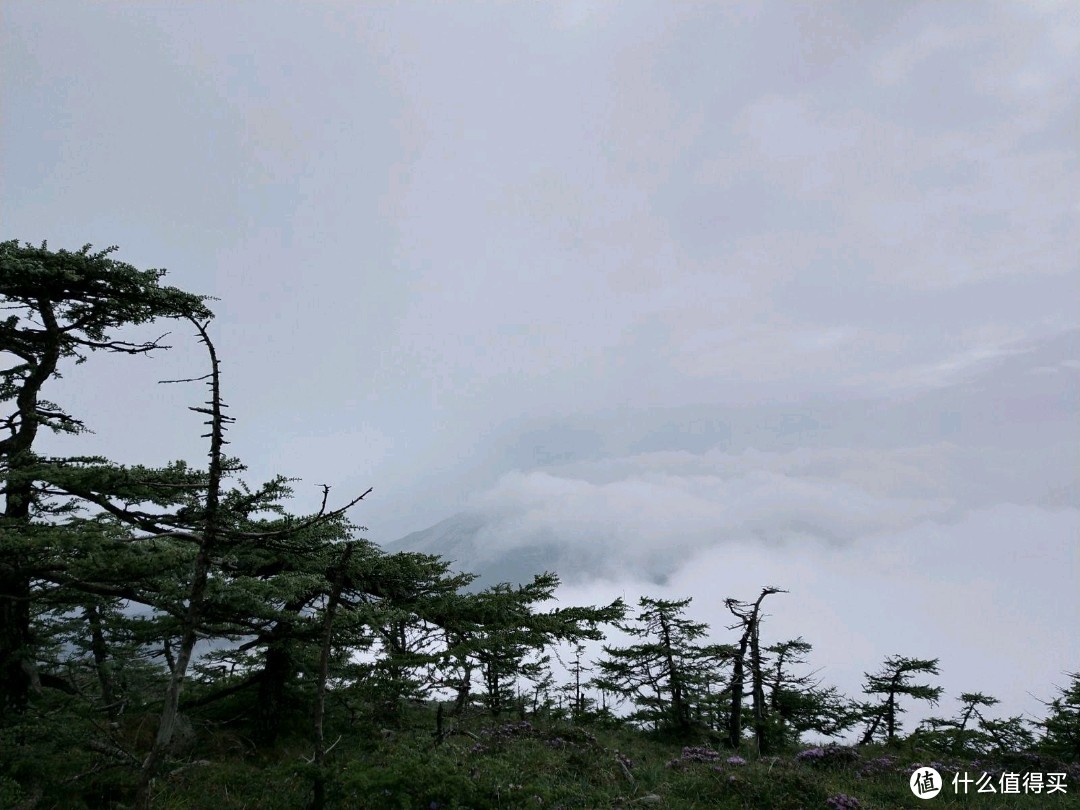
<point x="538" y="764"/>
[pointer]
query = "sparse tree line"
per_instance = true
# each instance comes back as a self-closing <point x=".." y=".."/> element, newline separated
<point x="132" y="597"/>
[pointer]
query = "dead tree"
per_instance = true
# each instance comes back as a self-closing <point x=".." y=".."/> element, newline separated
<point x="749" y="616"/>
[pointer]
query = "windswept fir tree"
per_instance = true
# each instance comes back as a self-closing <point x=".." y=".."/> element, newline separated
<point x="59" y="306"/>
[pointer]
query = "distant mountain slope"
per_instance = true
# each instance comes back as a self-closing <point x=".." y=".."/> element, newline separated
<point x="459" y="539"/>
<point x="476" y="543"/>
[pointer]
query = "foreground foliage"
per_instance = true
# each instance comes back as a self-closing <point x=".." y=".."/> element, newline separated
<point x="548" y="762"/>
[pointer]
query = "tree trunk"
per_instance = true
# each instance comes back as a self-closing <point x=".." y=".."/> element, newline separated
<point x="277" y="670"/>
<point x="318" y="800"/>
<point x="15" y="639"/>
<point x="169" y="712"/>
<point x="464" y="688"/>
<point x="757" y="680"/>
<point x="102" y="666"/>
<point x="678" y="704"/>
<point x="200" y="576"/>
<point x="737" y="677"/>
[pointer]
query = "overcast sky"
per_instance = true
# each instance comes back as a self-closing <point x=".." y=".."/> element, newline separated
<point x="727" y="294"/>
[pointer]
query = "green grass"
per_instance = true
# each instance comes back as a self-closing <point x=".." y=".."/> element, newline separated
<point x="490" y="764"/>
<point x="483" y="764"/>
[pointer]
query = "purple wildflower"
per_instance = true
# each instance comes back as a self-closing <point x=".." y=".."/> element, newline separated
<point x="699" y="754"/>
<point x="829" y="755"/>
<point x="843" y="802"/>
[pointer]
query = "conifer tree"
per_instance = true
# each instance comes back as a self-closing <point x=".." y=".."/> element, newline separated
<point x="798" y="704"/>
<point x="404" y="602"/>
<point x="580" y="703"/>
<point x="1062" y="725"/>
<point x="201" y="527"/>
<point x="63" y="305"/>
<point x="894" y="680"/>
<point x="500" y="630"/>
<point x="749" y="654"/>
<point x="961" y="735"/>
<point x="664" y="674"/>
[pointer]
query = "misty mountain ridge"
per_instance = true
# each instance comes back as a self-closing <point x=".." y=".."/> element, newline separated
<point x="466" y="539"/>
<point x="576" y="493"/>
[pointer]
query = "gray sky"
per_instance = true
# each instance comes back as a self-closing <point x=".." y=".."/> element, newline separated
<point x="758" y="293"/>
